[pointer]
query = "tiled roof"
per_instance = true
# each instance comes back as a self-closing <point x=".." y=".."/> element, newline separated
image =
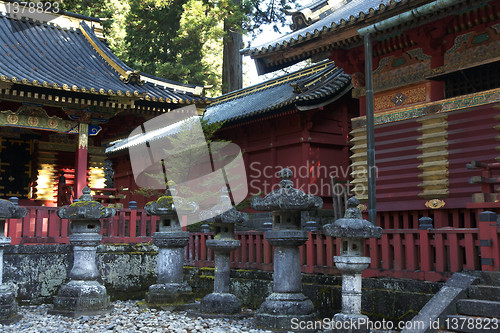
<point x="321" y="83"/>
<point x="315" y="11"/>
<point x="75" y="59"/>
<point x="308" y="88"/>
<point x="348" y="14"/>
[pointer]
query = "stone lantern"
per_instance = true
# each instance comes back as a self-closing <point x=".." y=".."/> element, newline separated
<point x="225" y="216"/>
<point x="352" y="230"/>
<point x="8" y="305"/>
<point x="170" y="290"/>
<point x="83" y="294"/>
<point x="287" y="301"/>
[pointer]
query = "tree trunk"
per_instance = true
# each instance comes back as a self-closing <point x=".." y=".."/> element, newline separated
<point x="232" y="73"/>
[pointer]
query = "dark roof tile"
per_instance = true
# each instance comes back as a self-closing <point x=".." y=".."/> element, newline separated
<point x="347" y="14"/>
<point x="41" y="54"/>
<point x="312" y="85"/>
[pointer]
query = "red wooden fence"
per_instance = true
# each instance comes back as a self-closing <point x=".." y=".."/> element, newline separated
<point x="42" y="225"/>
<point x="403" y="251"/>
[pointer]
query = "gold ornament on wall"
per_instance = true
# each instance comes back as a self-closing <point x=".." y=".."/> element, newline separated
<point x="435" y="204"/>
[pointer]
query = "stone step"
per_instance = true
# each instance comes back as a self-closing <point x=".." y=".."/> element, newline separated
<point x="469" y="324"/>
<point x="490" y="278"/>
<point x="484" y="292"/>
<point x="481" y="308"/>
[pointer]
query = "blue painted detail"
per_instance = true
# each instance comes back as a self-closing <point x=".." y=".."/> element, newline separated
<point x="399" y="99"/>
<point x="73" y="130"/>
<point x="94" y="129"/>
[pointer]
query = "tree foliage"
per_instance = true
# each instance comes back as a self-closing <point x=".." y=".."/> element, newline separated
<point x="180" y="40"/>
<point x="175" y="39"/>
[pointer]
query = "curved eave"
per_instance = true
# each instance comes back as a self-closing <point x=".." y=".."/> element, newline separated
<point x="276" y="55"/>
<point x="159" y="88"/>
<point x="319" y="28"/>
<point x="67" y="87"/>
<point x="312" y="86"/>
<point x="301" y="103"/>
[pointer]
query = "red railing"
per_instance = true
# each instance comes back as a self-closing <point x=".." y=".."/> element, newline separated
<point x="431" y="255"/>
<point x="455" y="218"/>
<point x="42" y="225"/>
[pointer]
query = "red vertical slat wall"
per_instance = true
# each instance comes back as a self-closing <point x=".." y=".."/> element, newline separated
<point x="396" y="146"/>
<point x="471" y="136"/>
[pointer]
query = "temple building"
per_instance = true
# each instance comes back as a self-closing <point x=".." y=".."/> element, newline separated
<point x="300" y="120"/>
<point x="64" y="96"/>
<point x="436" y="92"/>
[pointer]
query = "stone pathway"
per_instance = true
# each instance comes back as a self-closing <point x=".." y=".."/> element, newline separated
<point x="127" y="317"/>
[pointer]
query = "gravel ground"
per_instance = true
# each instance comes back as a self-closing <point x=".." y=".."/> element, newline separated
<point x="127" y="317"/>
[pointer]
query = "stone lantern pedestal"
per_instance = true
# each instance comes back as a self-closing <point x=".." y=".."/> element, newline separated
<point x="287" y="301"/>
<point x="224" y="217"/>
<point x="352" y="229"/>
<point x="83" y="294"/>
<point x="170" y="290"/>
<point x="221" y="301"/>
<point x="8" y="304"/>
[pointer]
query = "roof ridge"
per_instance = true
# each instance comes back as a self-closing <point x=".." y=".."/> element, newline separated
<point x="127" y="74"/>
<point x="175" y="86"/>
<point x="344" y="17"/>
<point x="273" y="82"/>
<point x="307" y="15"/>
<point x="60" y="19"/>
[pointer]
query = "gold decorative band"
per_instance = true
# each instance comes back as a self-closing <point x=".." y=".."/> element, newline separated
<point x="442" y="106"/>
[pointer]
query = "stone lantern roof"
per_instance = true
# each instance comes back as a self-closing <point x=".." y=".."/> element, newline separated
<point x="223" y="212"/>
<point x="85" y="209"/>
<point x="10" y="211"/>
<point x="164" y="205"/>
<point x="352" y="225"/>
<point x="287" y="198"/>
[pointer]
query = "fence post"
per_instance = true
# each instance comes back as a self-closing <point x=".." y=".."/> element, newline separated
<point x="488" y="241"/>
<point x="425" y="223"/>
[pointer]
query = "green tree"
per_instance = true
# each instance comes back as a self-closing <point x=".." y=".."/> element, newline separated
<point x="175" y="39"/>
<point x="190" y="41"/>
<point x="111" y="12"/>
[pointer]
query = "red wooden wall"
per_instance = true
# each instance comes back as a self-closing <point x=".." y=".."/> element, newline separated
<point x="313" y="143"/>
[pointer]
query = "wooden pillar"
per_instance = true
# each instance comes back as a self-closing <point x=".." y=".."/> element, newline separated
<point x="488" y="241"/>
<point x="303" y="183"/>
<point x="81" y="160"/>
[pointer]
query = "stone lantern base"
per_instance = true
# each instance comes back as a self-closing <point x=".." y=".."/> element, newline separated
<point x="350" y="323"/>
<point x="279" y="309"/>
<point x="169" y="294"/>
<point x="221" y="303"/>
<point x="77" y="298"/>
<point x="8" y="306"/>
